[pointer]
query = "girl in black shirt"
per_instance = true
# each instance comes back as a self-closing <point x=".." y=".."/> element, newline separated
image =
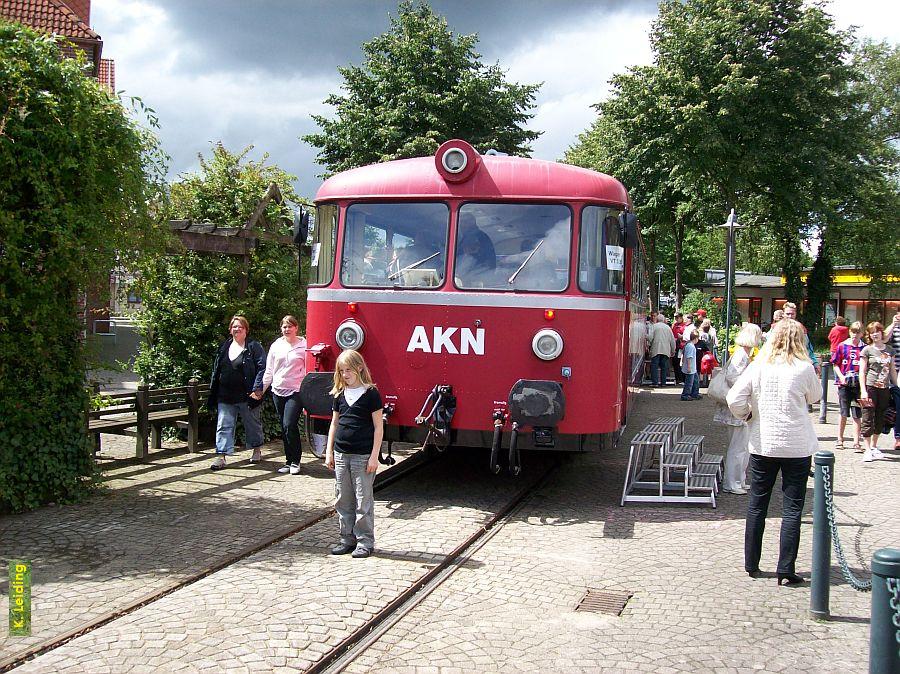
<point x="354" y="440"/>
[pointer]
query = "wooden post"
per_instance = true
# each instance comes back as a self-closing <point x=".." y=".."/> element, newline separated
<point x="193" y="404"/>
<point x="95" y="390"/>
<point x="142" y="408"/>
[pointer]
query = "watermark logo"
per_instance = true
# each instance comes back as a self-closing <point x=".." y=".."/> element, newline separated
<point x="19" y="598"/>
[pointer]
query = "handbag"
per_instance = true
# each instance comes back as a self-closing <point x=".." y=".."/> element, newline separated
<point x="718" y="387"/>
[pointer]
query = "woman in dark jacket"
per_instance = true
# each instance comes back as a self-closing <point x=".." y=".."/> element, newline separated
<point x="237" y="372"/>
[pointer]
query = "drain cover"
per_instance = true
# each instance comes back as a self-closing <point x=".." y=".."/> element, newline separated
<point x="611" y="602"/>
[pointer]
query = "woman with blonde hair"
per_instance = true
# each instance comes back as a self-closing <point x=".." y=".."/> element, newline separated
<point x="354" y="441"/>
<point x="774" y="393"/>
<point x="876" y="374"/>
<point x="738" y="454"/>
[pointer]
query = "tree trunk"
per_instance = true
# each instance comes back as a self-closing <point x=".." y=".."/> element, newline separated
<point x="818" y="286"/>
<point x="678" y="232"/>
<point x="791" y="266"/>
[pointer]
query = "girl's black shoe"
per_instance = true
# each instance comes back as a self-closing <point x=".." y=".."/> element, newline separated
<point x="790" y="579"/>
<point x="756" y="573"/>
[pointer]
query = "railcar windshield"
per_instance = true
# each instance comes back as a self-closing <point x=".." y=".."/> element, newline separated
<point x="321" y="263"/>
<point x="601" y="263"/>
<point x="395" y="244"/>
<point x="513" y="247"/>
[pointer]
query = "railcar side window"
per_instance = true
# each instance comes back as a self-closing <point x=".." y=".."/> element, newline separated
<point x="395" y="244"/>
<point x="321" y="263"/>
<point x="601" y="261"/>
<point x="513" y="247"/>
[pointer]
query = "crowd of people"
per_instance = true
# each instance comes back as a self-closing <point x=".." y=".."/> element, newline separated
<point x="243" y="372"/>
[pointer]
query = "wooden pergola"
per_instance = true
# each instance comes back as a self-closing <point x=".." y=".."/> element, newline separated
<point x="212" y="238"/>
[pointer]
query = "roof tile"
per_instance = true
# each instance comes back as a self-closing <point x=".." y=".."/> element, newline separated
<point x="53" y="16"/>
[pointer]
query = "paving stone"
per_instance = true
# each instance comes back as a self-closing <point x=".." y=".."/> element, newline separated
<point x="510" y="608"/>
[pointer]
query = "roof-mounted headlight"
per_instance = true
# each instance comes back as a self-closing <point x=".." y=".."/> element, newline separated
<point x="454" y="160"/>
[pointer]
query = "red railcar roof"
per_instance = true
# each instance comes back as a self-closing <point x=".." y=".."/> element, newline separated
<point x="497" y="177"/>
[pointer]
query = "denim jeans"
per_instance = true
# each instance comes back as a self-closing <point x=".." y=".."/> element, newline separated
<point x="659" y="369"/>
<point x="228" y="415"/>
<point x="691" y="386"/>
<point x="289" y="410"/>
<point x="354" y="499"/>
<point x="763" y="471"/>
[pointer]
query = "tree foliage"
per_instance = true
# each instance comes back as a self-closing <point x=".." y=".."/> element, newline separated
<point x="77" y="179"/>
<point x="420" y="85"/>
<point x="752" y="105"/>
<point x="188" y="298"/>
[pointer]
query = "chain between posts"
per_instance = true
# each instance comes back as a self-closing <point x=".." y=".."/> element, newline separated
<point x="853" y="581"/>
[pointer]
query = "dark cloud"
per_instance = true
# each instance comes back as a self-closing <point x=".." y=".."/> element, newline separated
<point x="247" y="73"/>
<point x="313" y="37"/>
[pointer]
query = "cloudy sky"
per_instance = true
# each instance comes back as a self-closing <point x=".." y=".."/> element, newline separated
<point x="251" y="72"/>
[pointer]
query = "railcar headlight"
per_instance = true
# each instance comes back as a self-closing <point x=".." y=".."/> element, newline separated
<point x="454" y="160"/>
<point x="350" y="335"/>
<point x="547" y="344"/>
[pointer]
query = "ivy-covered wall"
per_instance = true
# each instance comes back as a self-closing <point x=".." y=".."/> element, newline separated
<point x="77" y="175"/>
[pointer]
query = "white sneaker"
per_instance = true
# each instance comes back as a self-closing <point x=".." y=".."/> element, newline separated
<point x="286" y="468"/>
<point x="294" y="468"/>
<point x="868" y="457"/>
<point x="736" y="490"/>
<point x="877" y="453"/>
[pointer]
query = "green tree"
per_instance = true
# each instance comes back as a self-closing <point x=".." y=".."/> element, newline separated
<point x="419" y="86"/>
<point x="78" y="178"/>
<point x="866" y="234"/>
<point x="188" y="298"/>
<point x="733" y="113"/>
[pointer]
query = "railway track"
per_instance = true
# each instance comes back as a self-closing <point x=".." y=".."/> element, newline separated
<point x="382" y="481"/>
<point x="355" y="644"/>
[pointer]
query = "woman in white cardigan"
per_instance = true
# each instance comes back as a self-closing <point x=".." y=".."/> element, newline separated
<point x="737" y="457"/>
<point x="774" y="393"/>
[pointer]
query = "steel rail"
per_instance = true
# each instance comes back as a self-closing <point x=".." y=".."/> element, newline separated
<point x="388" y="477"/>
<point x="344" y="653"/>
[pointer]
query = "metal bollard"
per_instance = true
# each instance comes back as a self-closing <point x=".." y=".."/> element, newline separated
<point x="823" y="403"/>
<point x="820" y="587"/>
<point x="884" y="634"/>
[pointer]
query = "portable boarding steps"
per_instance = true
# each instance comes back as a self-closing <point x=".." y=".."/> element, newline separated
<point x="662" y="452"/>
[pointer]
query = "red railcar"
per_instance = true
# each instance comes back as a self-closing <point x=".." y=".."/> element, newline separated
<point x="499" y="301"/>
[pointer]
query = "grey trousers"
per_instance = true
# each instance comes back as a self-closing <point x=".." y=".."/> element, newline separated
<point x="354" y="499"/>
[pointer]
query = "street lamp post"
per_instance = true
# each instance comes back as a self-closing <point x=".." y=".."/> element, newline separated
<point x="731" y="225"/>
<point x="659" y="272"/>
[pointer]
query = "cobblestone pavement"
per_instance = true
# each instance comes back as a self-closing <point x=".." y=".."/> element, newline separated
<point x="287" y="605"/>
<point x="510" y="608"/>
<point x="693" y="610"/>
<point x="153" y="525"/>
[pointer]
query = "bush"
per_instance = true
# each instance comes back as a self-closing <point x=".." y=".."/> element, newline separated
<point x="76" y="178"/>
<point x="189" y="298"/>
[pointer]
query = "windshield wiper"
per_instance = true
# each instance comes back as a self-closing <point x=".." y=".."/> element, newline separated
<point x="397" y="274"/>
<point x="522" y="266"/>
